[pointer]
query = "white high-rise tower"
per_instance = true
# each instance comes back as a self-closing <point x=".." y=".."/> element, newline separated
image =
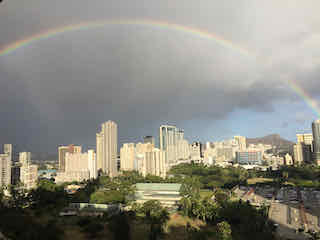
<point x="107" y="148"/>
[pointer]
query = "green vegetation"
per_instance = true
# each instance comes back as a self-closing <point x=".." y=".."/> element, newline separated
<point x="213" y="176"/>
<point x="205" y="209"/>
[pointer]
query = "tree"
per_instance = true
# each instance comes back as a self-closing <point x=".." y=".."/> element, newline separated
<point x="156" y="216"/>
<point x="224" y="231"/>
<point x="119" y="225"/>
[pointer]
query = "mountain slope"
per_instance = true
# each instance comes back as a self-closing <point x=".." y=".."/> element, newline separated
<point x="272" y="139"/>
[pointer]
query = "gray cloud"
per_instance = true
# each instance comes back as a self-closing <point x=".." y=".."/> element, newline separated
<point x="62" y="89"/>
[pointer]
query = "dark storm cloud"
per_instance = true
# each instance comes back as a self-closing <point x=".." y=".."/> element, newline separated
<point x="61" y="89"/>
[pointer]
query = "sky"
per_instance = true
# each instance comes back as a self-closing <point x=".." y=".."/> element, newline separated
<point x="58" y="90"/>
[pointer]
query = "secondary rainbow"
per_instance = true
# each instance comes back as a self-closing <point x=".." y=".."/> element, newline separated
<point x="97" y="24"/>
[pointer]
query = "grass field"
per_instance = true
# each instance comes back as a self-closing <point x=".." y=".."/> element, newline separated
<point x="253" y="181"/>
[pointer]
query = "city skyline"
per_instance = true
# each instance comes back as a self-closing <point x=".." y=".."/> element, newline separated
<point x="215" y="69"/>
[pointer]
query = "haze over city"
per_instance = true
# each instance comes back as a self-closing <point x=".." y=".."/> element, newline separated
<point x="216" y="69"/>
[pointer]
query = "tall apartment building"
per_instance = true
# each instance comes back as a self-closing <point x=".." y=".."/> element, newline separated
<point x="128" y="157"/>
<point x="62" y="150"/>
<point x="79" y="167"/>
<point x="149" y="139"/>
<point x="29" y="175"/>
<point x="92" y="164"/>
<point x="107" y="152"/>
<point x="28" y="171"/>
<point x="25" y="158"/>
<point x="242" y="142"/>
<point x="183" y="149"/>
<point x="153" y="163"/>
<point x="169" y="136"/>
<point x="5" y="165"/>
<point x="316" y="141"/>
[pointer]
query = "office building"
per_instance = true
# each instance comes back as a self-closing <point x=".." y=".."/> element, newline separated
<point x="149" y="139"/>
<point x="316" y="141"/>
<point x="249" y="158"/>
<point x="5" y="165"/>
<point x="62" y="150"/>
<point x="107" y="152"/>
<point x="242" y="142"/>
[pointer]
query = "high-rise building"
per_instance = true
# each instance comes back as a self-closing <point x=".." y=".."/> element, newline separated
<point x="168" y="138"/>
<point x="79" y="167"/>
<point x="29" y="175"/>
<point x="5" y="165"/>
<point x="149" y="139"/>
<point x="153" y="162"/>
<point x="242" y="142"/>
<point x="25" y="158"/>
<point x="28" y="171"/>
<point x="92" y="164"/>
<point x="76" y="162"/>
<point x="316" y="141"/>
<point x="128" y="157"/>
<point x="7" y="149"/>
<point x="302" y="153"/>
<point x="15" y="173"/>
<point x="107" y="144"/>
<point x="62" y="150"/>
<point x="305" y="138"/>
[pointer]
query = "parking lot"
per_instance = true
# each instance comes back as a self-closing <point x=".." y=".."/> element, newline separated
<point x="291" y="208"/>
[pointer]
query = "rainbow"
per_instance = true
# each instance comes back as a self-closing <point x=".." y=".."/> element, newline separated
<point x="203" y="34"/>
<point x="308" y="99"/>
<point x="6" y="50"/>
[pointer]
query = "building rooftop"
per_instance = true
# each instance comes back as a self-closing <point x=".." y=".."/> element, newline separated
<point x="158" y="187"/>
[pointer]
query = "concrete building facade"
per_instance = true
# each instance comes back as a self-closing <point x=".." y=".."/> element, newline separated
<point x="316" y="141"/>
<point x="128" y="157"/>
<point x="168" y="141"/>
<point x="107" y="148"/>
<point x="63" y="150"/>
<point x="242" y="142"/>
<point x="249" y="158"/>
<point x="5" y="165"/>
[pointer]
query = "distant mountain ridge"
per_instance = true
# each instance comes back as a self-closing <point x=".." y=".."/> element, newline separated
<point x="272" y="139"/>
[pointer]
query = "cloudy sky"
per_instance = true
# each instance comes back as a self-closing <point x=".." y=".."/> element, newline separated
<point x="60" y="89"/>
